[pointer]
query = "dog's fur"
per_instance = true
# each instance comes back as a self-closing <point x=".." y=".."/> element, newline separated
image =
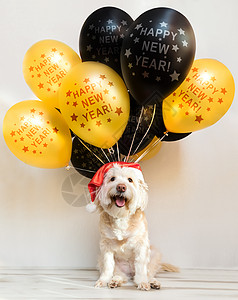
<point x="125" y="248"/>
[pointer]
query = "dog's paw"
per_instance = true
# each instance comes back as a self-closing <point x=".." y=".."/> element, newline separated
<point x="114" y="283"/>
<point x="143" y="286"/>
<point x="154" y="284"/>
<point x="100" y="284"/>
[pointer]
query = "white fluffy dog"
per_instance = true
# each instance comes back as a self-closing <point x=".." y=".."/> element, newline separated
<point x="125" y="247"/>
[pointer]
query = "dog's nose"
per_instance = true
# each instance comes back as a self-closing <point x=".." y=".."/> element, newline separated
<point x="121" y="188"/>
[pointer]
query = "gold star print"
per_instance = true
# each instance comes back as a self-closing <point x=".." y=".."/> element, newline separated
<point x="45" y="145"/>
<point x="102" y="77"/>
<point x="68" y="93"/>
<point x="110" y="83"/>
<point x="220" y="100"/>
<point x="98" y="123"/>
<point x="38" y="75"/>
<point x="195" y="69"/>
<point x="42" y="56"/>
<point x="75" y="103"/>
<point x="86" y="80"/>
<point x="118" y="111"/>
<point x="54" y="50"/>
<point x="210" y="99"/>
<point x="213" y="78"/>
<point x="74" y="117"/>
<point x="180" y="105"/>
<point x="33" y="110"/>
<point x="82" y="125"/>
<point x="55" y="130"/>
<point x="109" y="120"/>
<point x="25" y="149"/>
<point x="106" y="91"/>
<point x="31" y="68"/>
<point x="12" y="133"/>
<point x="199" y="119"/>
<point x="223" y="91"/>
<point x="41" y="85"/>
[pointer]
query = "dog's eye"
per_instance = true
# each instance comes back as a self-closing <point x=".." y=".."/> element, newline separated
<point x="130" y="179"/>
<point x="113" y="178"/>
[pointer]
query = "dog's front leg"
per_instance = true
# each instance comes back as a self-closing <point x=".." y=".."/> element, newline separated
<point x="107" y="268"/>
<point x="141" y="264"/>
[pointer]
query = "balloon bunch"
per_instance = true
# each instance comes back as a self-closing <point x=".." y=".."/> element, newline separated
<point x="136" y="85"/>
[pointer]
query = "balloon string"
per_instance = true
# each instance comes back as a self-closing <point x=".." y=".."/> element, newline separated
<point x="118" y="152"/>
<point x="105" y="155"/>
<point x="112" y="153"/>
<point x="133" y="139"/>
<point x="70" y="167"/>
<point x="90" y="151"/>
<point x="151" y="147"/>
<point x="151" y="122"/>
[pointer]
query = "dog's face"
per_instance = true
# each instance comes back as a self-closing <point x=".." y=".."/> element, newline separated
<point x="123" y="192"/>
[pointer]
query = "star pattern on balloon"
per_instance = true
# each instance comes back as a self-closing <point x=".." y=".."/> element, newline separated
<point x="50" y="68"/>
<point x="174" y="76"/>
<point x="205" y="87"/>
<point x="72" y="100"/>
<point x="102" y="39"/>
<point x="139" y="35"/>
<point x="35" y="129"/>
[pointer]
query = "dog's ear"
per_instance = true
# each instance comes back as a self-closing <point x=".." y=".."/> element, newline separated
<point x="143" y="195"/>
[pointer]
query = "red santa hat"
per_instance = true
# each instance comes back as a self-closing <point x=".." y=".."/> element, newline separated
<point x="97" y="179"/>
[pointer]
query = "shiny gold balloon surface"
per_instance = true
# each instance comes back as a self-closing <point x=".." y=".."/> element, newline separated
<point x="37" y="134"/>
<point x="95" y="103"/>
<point x="202" y="99"/>
<point x="45" y="64"/>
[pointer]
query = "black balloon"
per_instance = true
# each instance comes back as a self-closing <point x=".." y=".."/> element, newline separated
<point x="102" y="35"/>
<point x="158" y="128"/>
<point x="156" y="54"/>
<point x="83" y="160"/>
<point x="146" y="120"/>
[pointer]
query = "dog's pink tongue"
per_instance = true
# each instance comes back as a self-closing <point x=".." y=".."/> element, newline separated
<point x="120" y="201"/>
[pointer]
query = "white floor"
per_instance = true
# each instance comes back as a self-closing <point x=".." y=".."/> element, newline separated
<point x="63" y="284"/>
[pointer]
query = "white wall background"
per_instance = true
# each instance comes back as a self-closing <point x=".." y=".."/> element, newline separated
<point x="193" y="208"/>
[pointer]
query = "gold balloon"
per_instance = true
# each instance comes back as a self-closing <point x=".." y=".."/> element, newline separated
<point x="202" y="99"/>
<point x="152" y="150"/>
<point x="45" y="65"/>
<point x="95" y="103"/>
<point x="37" y="134"/>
